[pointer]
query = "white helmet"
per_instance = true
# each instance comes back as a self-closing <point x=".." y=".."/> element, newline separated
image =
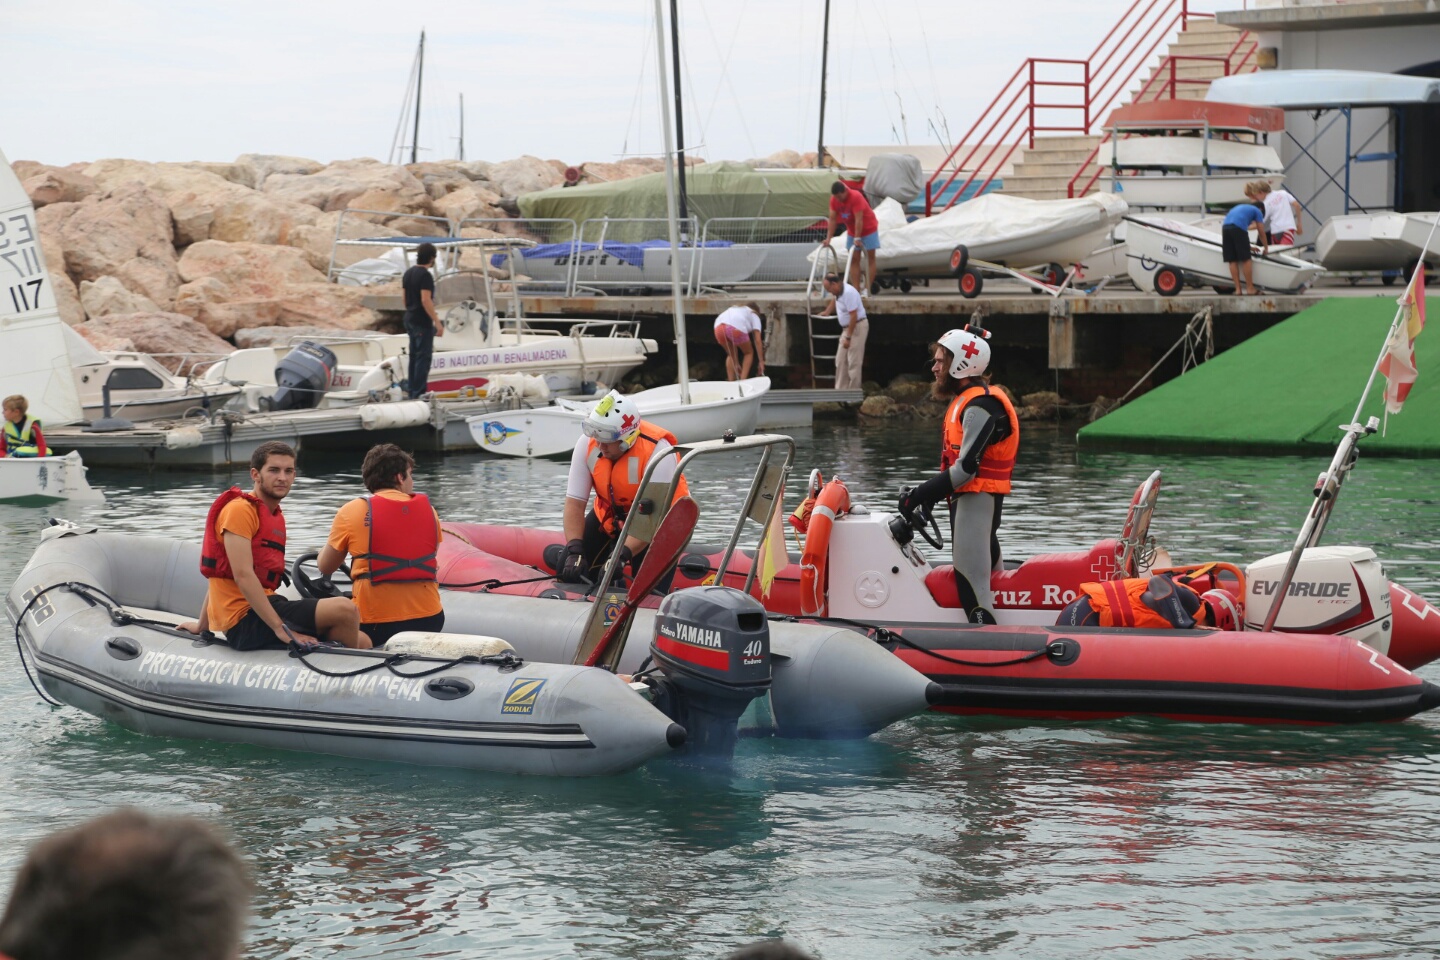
<point x="970" y="352"/>
<point x="614" y="419"/>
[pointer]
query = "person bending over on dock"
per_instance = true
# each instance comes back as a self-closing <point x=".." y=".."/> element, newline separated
<point x="422" y="323"/>
<point x="846" y="307"/>
<point x="848" y="206"/>
<point x="393" y="536"/>
<point x="1282" y="212"/>
<point x="738" y="330"/>
<point x="1235" y="242"/>
<point x="243" y="556"/>
<point x="977" y="456"/>
<point x="610" y="459"/>
<point x="22" y="431"/>
<point x="1160" y="601"/>
<point x="127" y="886"/>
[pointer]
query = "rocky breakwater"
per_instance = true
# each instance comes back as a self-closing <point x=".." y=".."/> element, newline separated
<point x="193" y="258"/>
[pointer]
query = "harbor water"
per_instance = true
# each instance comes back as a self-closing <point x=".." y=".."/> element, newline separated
<point x="939" y="837"/>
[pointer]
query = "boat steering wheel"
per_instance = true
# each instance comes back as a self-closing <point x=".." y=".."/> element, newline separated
<point x="922" y="520"/>
<point x="313" y="586"/>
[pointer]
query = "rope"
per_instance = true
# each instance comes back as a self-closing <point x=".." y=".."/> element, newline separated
<point x="885" y="635"/>
<point x="508" y="659"/>
<point x="494" y="584"/>
<point x="20" y="645"/>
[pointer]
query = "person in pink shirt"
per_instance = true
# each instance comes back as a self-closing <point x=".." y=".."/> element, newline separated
<point x="849" y="207"/>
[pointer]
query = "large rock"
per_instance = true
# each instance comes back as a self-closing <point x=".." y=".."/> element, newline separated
<point x="127" y="234"/>
<point x="608" y="172"/>
<point x="249" y="269"/>
<point x="361" y="184"/>
<point x="471" y="200"/>
<point x="317" y="240"/>
<point x="175" y="340"/>
<point x="525" y="174"/>
<point x="48" y="185"/>
<point x="266" y="164"/>
<point x="67" y="298"/>
<point x="438" y="179"/>
<point x="238" y="172"/>
<point x="108" y="295"/>
<point x="474" y="169"/>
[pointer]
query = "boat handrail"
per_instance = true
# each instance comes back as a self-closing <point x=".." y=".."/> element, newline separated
<point x="766" y="496"/>
<point x="331" y="273"/>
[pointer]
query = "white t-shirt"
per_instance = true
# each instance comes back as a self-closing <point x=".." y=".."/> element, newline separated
<point x="1279" y="215"/>
<point x="580" y="483"/>
<point x="848" y="306"/>
<point x="742" y="319"/>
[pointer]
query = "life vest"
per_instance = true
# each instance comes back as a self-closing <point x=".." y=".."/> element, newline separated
<point x="617" y="482"/>
<point x="1119" y="605"/>
<point x="267" y="547"/>
<point x="20" y="439"/>
<point x="997" y="461"/>
<point x="403" y="540"/>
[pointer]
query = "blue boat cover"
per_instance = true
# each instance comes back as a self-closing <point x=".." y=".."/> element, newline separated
<point x="631" y="253"/>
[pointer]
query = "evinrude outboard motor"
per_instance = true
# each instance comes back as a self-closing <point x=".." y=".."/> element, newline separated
<point x="712" y="645"/>
<point x="302" y="376"/>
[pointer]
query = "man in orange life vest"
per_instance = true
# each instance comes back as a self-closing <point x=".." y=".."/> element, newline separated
<point x="243" y="556"/>
<point x="977" y="456"/>
<point x="393" y="536"/>
<point x="610" y="459"/>
<point x="1151" y="602"/>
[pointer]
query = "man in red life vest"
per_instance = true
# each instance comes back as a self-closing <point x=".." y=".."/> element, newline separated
<point x="243" y="556"/>
<point x="1151" y="602"/>
<point x="393" y="536"/>
<point x="977" y="456"/>
<point x="849" y="207"/>
<point x="610" y="459"/>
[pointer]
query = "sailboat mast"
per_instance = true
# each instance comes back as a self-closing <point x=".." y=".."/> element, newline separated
<point x="679" y="115"/>
<point x="419" y="79"/>
<point x="462" y="128"/>
<point x="824" y="71"/>
<point x="682" y="354"/>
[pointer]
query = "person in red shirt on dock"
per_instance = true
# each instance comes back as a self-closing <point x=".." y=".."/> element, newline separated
<point x="848" y="206"/>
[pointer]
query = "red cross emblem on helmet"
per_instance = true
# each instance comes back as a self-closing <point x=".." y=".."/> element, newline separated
<point x="627" y="421"/>
<point x="969" y="349"/>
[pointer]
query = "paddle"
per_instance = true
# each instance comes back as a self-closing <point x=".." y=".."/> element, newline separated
<point x="660" y="557"/>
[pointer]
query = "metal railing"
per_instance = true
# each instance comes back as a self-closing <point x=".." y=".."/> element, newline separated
<point x="609" y="256"/>
<point x="555" y="238"/>
<point x="1083" y="91"/>
<point x="346" y="274"/>
<point x="762" y="251"/>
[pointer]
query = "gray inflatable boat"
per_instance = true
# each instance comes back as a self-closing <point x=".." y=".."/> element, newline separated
<point x="95" y="615"/>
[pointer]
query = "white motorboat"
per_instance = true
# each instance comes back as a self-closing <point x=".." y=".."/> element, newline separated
<point x="1375" y="241"/>
<point x="34" y="359"/>
<point x="1164" y="255"/>
<point x="140" y="387"/>
<point x="716" y="407"/>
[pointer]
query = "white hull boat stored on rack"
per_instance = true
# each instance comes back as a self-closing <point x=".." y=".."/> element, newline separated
<point x="1375" y="241"/>
<point x="1165" y="255"/>
<point x="716" y="407"/>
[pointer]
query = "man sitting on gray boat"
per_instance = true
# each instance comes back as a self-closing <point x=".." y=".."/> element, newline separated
<point x="243" y="557"/>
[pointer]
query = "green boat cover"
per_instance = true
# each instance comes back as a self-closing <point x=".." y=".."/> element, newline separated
<point x="712" y="190"/>
<point x="1287" y="390"/>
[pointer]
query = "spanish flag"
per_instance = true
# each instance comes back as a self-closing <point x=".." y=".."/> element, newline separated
<point x="1398" y="361"/>
<point x="773" y="555"/>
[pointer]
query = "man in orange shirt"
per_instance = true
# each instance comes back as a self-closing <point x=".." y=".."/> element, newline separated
<point x="393" y="535"/>
<point x="243" y="556"/>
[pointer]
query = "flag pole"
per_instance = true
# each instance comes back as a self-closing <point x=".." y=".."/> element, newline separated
<point x="1327" y="488"/>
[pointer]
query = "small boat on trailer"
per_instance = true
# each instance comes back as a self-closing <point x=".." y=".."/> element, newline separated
<point x="1166" y="255"/>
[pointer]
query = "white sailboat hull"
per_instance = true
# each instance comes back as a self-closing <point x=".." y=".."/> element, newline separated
<point x="45" y="479"/>
<point x="1182" y="190"/>
<point x="716" y="406"/>
<point x="1153" y="243"/>
<point x="1375" y="241"/>
<point x="1188" y="152"/>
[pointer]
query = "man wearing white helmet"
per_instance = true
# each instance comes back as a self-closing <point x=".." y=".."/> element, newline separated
<point x="977" y="456"/>
<point x="609" y="459"/>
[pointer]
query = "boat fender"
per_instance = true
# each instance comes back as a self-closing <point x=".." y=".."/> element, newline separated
<point x="712" y="647"/>
<point x="387" y="416"/>
<point x="833" y="501"/>
<point x="447" y="646"/>
<point x="183" y="438"/>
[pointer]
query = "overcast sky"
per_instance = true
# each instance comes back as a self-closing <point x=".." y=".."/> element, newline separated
<point x="564" y="79"/>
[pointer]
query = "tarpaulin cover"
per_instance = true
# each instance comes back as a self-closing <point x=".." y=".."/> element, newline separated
<point x="894" y="176"/>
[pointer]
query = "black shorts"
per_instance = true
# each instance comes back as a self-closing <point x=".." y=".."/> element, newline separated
<point x="1236" y="244"/>
<point x="251" y="633"/>
<point x="380" y="633"/>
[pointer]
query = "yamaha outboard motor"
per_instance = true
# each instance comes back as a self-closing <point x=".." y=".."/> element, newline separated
<point x="302" y="376"/>
<point x="712" y="645"/>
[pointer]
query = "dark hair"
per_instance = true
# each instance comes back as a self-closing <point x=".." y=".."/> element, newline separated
<point x="383" y="463"/>
<point x="832" y="278"/>
<point x="838" y="188"/>
<point x="268" y="449"/>
<point x="128" y="885"/>
<point x="425" y="254"/>
<point x="769" y="950"/>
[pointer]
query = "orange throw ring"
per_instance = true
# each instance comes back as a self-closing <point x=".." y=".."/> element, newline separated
<point x="833" y="501"/>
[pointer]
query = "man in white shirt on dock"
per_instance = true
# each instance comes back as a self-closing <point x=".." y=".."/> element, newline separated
<point x="846" y="307"/>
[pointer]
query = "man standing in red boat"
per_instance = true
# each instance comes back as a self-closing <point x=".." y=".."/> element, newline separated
<point x="977" y="456"/>
<point x="610" y="459"/>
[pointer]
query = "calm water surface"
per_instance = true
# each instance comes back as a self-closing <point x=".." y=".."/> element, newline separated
<point x="936" y="838"/>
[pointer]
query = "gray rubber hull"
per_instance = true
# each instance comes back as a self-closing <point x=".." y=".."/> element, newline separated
<point x="829" y="682"/>
<point x="539" y="718"/>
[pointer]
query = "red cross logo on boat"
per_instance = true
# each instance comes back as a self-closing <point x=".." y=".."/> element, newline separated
<point x="1103" y="567"/>
<point x="969" y="349"/>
